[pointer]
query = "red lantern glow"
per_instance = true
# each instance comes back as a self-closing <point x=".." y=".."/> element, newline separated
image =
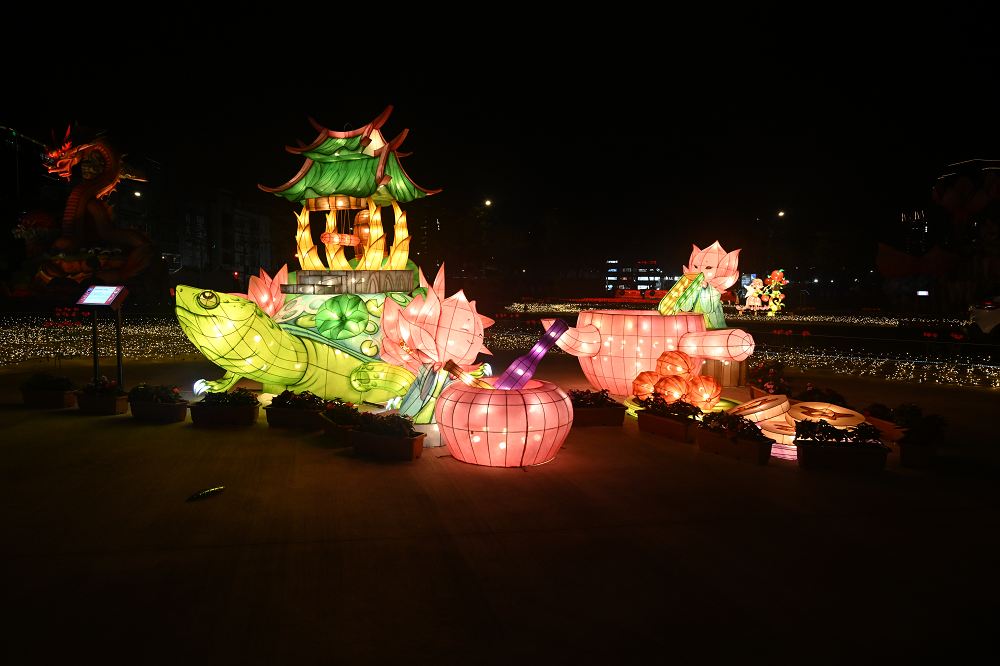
<point x="672" y="388"/>
<point x="677" y="363"/>
<point x="704" y="392"/>
<point x="642" y="386"/>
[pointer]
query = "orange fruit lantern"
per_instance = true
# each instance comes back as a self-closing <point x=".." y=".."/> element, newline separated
<point x="642" y="386"/>
<point x="704" y="392"/>
<point x="672" y="388"/>
<point x="676" y="363"/>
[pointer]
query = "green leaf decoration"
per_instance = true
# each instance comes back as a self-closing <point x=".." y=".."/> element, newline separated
<point x="208" y="492"/>
<point x="306" y="321"/>
<point x="421" y="291"/>
<point x="342" y="317"/>
<point x="371" y="328"/>
<point x="374" y="308"/>
<point x="402" y="299"/>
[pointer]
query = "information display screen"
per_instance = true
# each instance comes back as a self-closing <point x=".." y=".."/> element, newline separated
<point x="99" y="295"/>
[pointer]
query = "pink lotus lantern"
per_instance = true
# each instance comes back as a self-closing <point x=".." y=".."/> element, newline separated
<point x="432" y="328"/>
<point x="496" y="428"/>
<point x="266" y="292"/>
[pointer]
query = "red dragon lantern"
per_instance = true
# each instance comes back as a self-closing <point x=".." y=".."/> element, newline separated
<point x="89" y="222"/>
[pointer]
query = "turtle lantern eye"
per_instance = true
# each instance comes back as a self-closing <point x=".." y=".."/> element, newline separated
<point x="208" y="300"/>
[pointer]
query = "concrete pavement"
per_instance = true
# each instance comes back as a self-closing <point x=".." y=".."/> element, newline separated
<point x="626" y="548"/>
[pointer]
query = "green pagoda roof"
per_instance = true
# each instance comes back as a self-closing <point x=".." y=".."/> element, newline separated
<point x="359" y="163"/>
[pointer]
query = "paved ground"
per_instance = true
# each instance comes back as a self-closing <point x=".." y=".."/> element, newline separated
<point x="627" y="547"/>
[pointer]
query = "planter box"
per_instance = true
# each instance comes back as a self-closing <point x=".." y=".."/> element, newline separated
<point x="915" y="456"/>
<point x="598" y="416"/>
<point x="384" y="447"/>
<point x="812" y="456"/>
<point x="161" y="412"/>
<point x="230" y="415"/>
<point x="679" y="429"/>
<point x="36" y="399"/>
<point x="283" y="417"/>
<point x="102" y="405"/>
<point x="337" y="434"/>
<point x="757" y="452"/>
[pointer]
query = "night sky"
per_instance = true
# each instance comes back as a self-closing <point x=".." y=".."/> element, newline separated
<point x="637" y="140"/>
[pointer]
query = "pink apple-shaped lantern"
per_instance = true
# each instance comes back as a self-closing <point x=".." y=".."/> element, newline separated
<point x="672" y="388"/>
<point x="642" y="386"/>
<point x="704" y="392"/>
<point x="497" y="428"/>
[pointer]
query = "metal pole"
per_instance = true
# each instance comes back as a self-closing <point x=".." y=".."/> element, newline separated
<point x="97" y="366"/>
<point x="118" y="343"/>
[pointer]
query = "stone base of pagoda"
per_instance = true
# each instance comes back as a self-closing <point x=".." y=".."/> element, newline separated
<point x="349" y="282"/>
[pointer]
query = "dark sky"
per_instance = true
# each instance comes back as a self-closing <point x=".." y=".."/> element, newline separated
<point x="645" y="135"/>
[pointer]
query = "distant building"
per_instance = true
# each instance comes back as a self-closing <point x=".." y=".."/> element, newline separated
<point x="640" y="274"/>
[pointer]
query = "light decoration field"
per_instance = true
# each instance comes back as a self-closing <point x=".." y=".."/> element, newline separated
<point x="922" y="370"/>
<point x="26" y="338"/>
<point x="575" y="307"/>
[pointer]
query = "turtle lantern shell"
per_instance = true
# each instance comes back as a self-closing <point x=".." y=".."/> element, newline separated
<point x="672" y="388"/>
<point x="704" y="392"/>
<point x="642" y="386"/>
<point x="675" y="363"/>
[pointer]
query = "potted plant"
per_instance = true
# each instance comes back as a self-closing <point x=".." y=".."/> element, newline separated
<point x="238" y="407"/>
<point x="296" y="410"/>
<point x="390" y="437"/>
<point x="157" y="403"/>
<point x="339" y="417"/>
<point x="43" y="391"/>
<point x="596" y="408"/>
<point x="102" y="397"/>
<point x="675" y="420"/>
<point x="923" y="433"/>
<point x="821" y="446"/>
<point x="767" y="378"/>
<point x="733" y="436"/>
<point x="813" y="394"/>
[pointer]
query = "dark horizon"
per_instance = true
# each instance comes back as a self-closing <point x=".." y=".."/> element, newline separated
<point x="648" y="161"/>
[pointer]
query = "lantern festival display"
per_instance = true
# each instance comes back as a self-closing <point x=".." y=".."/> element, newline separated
<point x="617" y="346"/>
<point x="506" y="421"/>
<point x="364" y="325"/>
<point x="838" y="417"/>
<point x="762" y="409"/>
<point x="504" y="428"/>
<point x="711" y="272"/>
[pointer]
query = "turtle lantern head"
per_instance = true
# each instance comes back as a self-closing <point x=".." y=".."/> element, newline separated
<point x="226" y="328"/>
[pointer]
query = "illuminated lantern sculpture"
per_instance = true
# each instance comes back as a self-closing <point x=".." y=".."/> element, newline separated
<point x="677" y="363"/>
<point x="425" y="333"/>
<point x="711" y="272"/>
<point x="283" y="353"/>
<point x="703" y="392"/>
<point x="642" y="385"/>
<point x="672" y="388"/>
<point x="497" y="428"/>
<point x="615" y="346"/>
<point x="762" y="409"/>
<point x="838" y="417"/>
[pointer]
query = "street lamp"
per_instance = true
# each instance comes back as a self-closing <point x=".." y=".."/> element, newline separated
<point x="489" y="203"/>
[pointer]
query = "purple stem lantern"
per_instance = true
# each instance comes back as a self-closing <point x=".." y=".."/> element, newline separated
<point x="522" y="369"/>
